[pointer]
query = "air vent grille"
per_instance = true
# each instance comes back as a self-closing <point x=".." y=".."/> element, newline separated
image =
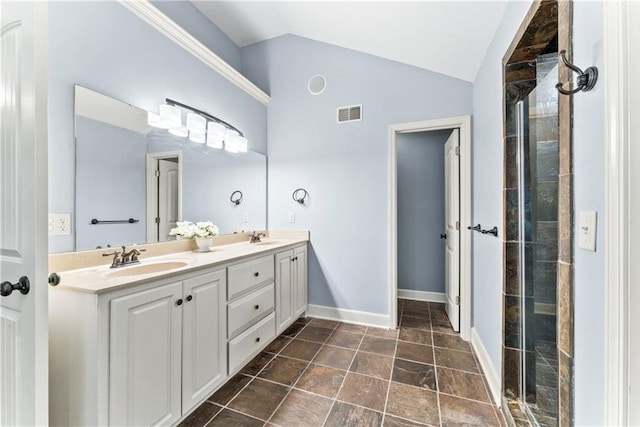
<point x="351" y="113"/>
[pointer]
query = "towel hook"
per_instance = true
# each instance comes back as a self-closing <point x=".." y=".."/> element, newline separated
<point x="586" y="79"/>
<point x="238" y="197"/>
<point x="297" y="198"/>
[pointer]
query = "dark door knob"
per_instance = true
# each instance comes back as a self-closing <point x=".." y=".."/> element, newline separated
<point x="257" y="306"/>
<point x="189" y="298"/>
<point x="443" y="236"/>
<point x="179" y="302"/>
<point x="256" y="274"/>
<point x="23" y="285"/>
<point x="54" y="279"/>
<point x="258" y="339"/>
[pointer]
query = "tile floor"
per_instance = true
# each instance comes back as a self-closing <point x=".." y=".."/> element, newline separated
<point x="325" y="373"/>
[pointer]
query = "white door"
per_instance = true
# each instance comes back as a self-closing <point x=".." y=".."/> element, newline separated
<point x="204" y="354"/>
<point x="168" y="199"/>
<point x="145" y="357"/>
<point x="284" y="306"/>
<point x="23" y="214"/>
<point x="452" y="225"/>
<point x="300" y="276"/>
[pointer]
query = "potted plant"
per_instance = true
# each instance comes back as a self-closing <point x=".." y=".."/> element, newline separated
<point x="201" y="232"/>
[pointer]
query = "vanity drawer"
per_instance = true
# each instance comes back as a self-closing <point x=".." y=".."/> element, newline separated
<point x="250" y="308"/>
<point x="251" y="341"/>
<point x="247" y="275"/>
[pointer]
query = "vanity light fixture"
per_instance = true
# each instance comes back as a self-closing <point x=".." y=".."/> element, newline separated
<point x="170" y="116"/>
<point x="198" y="138"/>
<point x="181" y="132"/>
<point x="215" y="134"/>
<point x="196" y="124"/>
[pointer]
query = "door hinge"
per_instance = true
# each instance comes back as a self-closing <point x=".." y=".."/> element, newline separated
<point x="157" y="220"/>
<point x="157" y="173"/>
<point x="458" y="300"/>
<point x="457" y="150"/>
<point x="457" y="225"/>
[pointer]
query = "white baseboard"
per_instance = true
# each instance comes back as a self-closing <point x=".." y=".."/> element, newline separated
<point x="348" y="316"/>
<point x="493" y="379"/>
<point x="422" y="295"/>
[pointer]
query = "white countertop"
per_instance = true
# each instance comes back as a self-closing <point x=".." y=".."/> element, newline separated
<point x="101" y="279"/>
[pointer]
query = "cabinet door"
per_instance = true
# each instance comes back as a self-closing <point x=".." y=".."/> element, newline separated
<point x="204" y="353"/>
<point x="145" y="352"/>
<point x="300" y="280"/>
<point x="284" y="291"/>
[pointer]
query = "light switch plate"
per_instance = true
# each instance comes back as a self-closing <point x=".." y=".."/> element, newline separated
<point x="587" y="228"/>
<point x="245" y="216"/>
<point x="292" y="217"/>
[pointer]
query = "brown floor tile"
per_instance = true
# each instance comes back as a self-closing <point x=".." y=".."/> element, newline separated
<point x="226" y="418"/>
<point x="441" y="328"/>
<point x="314" y="333"/>
<point x="415" y="352"/>
<point x="417" y="304"/>
<point x="345" y="339"/>
<point x="415" y="374"/>
<point x="410" y="311"/>
<point x="259" y="399"/>
<point x="391" y="421"/>
<point x="303" y="320"/>
<point x="462" y="384"/>
<point x="277" y="344"/>
<point x="456" y="360"/>
<point x="413" y="403"/>
<point x="375" y="365"/>
<point x="201" y="416"/>
<point x="438" y="316"/>
<point x="321" y="380"/>
<point x="302" y="409"/>
<point x="303" y="350"/>
<point x="323" y="323"/>
<point x="364" y="391"/>
<point x="416" y="323"/>
<point x="348" y="327"/>
<point x="451" y="341"/>
<point x="294" y="329"/>
<point x="461" y="411"/>
<point x="346" y="415"/>
<point x="437" y="306"/>
<point x="258" y="362"/>
<point x="391" y="334"/>
<point x="230" y="389"/>
<point x="336" y="357"/>
<point x="283" y="370"/>
<point x="378" y="345"/>
<point x="415" y="335"/>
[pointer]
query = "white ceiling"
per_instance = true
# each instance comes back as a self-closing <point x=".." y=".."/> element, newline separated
<point x="449" y="37"/>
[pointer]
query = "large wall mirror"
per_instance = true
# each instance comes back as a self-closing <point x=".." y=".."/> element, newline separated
<point x="133" y="181"/>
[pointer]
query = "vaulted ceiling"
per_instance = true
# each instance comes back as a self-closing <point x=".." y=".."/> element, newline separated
<point x="449" y="37"/>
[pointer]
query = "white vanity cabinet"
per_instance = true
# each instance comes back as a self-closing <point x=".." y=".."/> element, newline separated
<point x="291" y="286"/>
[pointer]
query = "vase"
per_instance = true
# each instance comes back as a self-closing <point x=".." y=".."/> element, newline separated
<point x="204" y="244"/>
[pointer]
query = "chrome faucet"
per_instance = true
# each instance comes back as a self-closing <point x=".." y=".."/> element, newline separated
<point x="255" y="237"/>
<point x="123" y="258"/>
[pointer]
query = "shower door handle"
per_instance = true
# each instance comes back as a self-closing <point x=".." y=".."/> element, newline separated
<point x="443" y="236"/>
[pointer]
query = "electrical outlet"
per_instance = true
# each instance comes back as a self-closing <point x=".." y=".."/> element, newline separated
<point x="245" y="216"/>
<point x="292" y="217"/>
<point x="59" y="224"/>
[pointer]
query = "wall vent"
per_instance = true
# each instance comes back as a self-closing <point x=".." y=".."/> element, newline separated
<point x="351" y="113"/>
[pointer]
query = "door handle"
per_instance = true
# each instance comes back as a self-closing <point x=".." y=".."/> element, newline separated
<point x="443" y="236"/>
<point x="23" y="285"/>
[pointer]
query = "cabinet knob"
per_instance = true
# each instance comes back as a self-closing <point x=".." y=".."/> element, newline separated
<point x="179" y="302"/>
<point x="257" y="306"/>
<point x="256" y="274"/>
<point x="189" y="298"/>
<point x="258" y="339"/>
<point x="294" y="259"/>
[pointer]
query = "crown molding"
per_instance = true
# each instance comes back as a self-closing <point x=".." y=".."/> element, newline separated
<point x="165" y="25"/>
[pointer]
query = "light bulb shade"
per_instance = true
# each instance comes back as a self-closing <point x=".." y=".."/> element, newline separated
<point x="170" y="116"/>
<point x="153" y="119"/>
<point x="196" y="123"/>
<point x="198" y="138"/>
<point x="241" y="144"/>
<point x="181" y="131"/>
<point x="230" y="134"/>
<point x="214" y="142"/>
<point x="215" y="130"/>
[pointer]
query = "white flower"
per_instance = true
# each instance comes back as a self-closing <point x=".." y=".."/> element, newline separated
<point x="189" y="230"/>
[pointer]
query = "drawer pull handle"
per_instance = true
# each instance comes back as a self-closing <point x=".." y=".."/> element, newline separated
<point x="189" y="298"/>
<point x="179" y="302"/>
<point x="294" y="259"/>
<point x="256" y="274"/>
<point x="258" y="339"/>
<point x="257" y="306"/>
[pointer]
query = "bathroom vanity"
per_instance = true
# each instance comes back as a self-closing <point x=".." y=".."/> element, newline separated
<point x="146" y="344"/>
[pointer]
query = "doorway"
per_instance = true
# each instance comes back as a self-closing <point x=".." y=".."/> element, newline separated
<point x="462" y="270"/>
<point x="164" y="194"/>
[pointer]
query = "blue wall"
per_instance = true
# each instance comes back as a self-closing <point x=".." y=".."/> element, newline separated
<point x="104" y="47"/>
<point x="421" y="210"/>
<point x="344" y="167"/>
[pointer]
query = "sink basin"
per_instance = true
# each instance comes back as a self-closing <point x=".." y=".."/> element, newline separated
<point x="146" y="269"/>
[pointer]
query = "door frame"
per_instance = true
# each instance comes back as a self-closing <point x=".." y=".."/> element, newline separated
<point x="152" y="185"/>
<point x="464" y="124"/>
<point x="619" y="39"/>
